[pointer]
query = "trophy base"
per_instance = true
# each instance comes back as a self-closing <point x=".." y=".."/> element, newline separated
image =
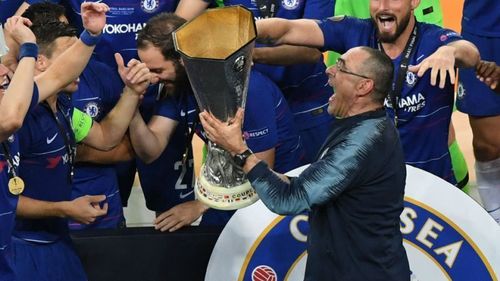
<point x="223" y="198"/>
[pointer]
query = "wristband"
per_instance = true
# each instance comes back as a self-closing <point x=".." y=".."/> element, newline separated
<point x="29" y="50"/>
<point x="89" y="39"/>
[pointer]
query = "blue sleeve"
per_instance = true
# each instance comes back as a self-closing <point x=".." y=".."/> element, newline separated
<point x="338" y="170"/>
<point x="318" y="9"/>
<point x="322" y="181"/>
<point x="259" y="125"/>
<point x="168" y="108"/>
<point x="438" y="36"/>
<point x="34" y="98"/>
<point x="340" y="33"/>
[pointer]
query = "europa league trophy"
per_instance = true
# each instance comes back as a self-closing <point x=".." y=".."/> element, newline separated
<point x="216" y="49"/>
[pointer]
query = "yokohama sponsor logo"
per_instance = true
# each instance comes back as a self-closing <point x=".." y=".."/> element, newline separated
<point x="122" y="28"/>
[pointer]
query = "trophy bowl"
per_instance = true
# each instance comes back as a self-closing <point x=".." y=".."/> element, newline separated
<point x="216" y="49"/>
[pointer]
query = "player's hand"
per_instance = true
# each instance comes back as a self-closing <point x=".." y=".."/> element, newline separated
<point x="18" y="29"/>
<point x="179" y="216"/>
<point x="489" y="73"/>
<point x="94" y="16"/>
<point x="135" y="74"/>
<point x="225" y="134"/>
<point x="441" y="63"/>
<point x="87" y="208"/>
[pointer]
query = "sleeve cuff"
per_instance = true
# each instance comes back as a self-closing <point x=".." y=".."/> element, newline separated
<point x="258" y="171"/>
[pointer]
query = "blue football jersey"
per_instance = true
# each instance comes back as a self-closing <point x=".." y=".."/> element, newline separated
<point x="8" y="201"/>
<point x="424" y="111"/>
<point x="98" y="92"/>
<point x="45" y="167"/>
<point x="124" y="19"/>
<point x="482" y="17"/>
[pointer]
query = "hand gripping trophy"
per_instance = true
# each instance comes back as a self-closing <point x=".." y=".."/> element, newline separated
<point x="216" y="49"/>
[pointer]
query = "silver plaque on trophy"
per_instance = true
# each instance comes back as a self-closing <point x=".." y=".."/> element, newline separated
<point x="216" y="49"/>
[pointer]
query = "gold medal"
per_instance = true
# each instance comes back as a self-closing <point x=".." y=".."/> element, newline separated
<point x="16" y="185"/>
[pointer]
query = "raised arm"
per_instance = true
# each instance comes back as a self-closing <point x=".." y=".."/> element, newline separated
<point x="15" y="102"/>
<point x="68" y="66"/>
<point x="189" y="9"/>
<point x="302" y="32"/>
<point x="150" y="140"/>
<point x="108" y="133"/>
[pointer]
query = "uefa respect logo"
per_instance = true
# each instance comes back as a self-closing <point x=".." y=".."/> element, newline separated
<point x="445" y="246"/>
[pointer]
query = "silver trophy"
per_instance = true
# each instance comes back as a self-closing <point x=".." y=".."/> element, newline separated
<point x="216" y="49"/>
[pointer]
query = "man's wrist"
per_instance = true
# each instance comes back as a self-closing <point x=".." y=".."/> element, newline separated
<point x="202" y="207"/>
<point x="130" y="92"/>
<point x="89" y="38"/>
<point x="62" y="208"/>
<point x="28" y="50"/>
<point x="239" y="150"/>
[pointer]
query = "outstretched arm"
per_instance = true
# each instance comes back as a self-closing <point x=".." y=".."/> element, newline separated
<point x="149" y="140"/>
<point x="286" y="55"/>
<point x="15" y="102"/>
<point x="443" y="61"/>
<point x="68" y="66"/>
<point x="108" y="133"/>
<point x="189" y="9"/>
<point x="302" y="32"/>
<point x="322" y="181"/>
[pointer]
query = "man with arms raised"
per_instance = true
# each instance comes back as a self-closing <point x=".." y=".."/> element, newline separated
<point x="42" y="248"/>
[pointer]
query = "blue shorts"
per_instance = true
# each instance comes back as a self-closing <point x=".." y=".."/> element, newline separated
<point x="46" y="262"/>
<point x="474" y="97"/>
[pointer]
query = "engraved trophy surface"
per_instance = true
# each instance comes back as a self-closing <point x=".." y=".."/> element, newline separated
<point x="216" y="49"/>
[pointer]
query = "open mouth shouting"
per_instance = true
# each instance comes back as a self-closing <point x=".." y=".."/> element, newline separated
<point x="386" y="23"/>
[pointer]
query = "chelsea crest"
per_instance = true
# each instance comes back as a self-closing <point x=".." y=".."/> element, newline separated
<point x="150" y="6"/>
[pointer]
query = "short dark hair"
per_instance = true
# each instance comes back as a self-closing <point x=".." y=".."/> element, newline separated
<point x="379" y="67"/>
<point x="47" y="33"/>
<point x="43" y="12"/>
<point x="158" y="32"/>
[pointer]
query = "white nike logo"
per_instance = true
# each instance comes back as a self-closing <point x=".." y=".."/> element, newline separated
<point x="49" y="141"/>
<point x="184" y="195"/>
<point x="183" y="113"/>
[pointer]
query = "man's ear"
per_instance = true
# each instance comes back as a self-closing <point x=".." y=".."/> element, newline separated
<point x="365" y="87"/>
<point x="41" y="63"/>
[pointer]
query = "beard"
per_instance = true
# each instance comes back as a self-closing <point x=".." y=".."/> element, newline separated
<point x="400" y="28"/>
<point x="179" y="86"/>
